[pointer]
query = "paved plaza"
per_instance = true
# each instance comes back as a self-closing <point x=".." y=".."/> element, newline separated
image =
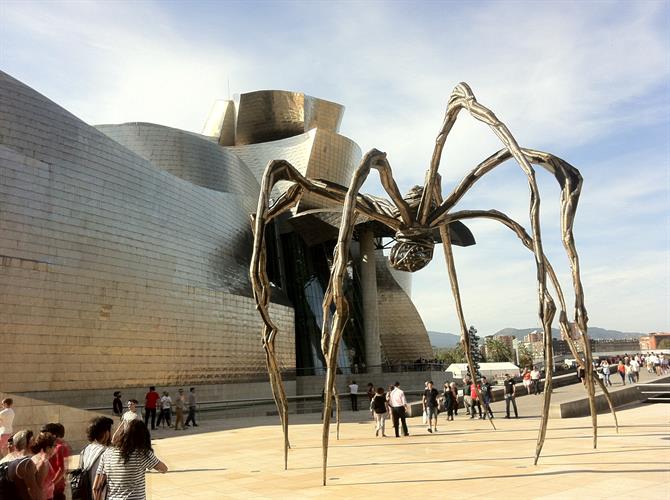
<point x="242" y="458"/>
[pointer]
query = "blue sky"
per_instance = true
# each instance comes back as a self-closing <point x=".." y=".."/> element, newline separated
<point x="587" y="81"/>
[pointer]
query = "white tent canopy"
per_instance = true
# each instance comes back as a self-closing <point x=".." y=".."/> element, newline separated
<point x="492" y="371"/>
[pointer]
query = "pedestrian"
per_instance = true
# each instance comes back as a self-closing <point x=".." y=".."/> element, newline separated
<point x="475" y="402"/>
<point x="467" y="398"/>
<point x="527" y="382"/>
<point x="398" y="405"/>
<point x="21" y="471"/>
<point x="605" y="365"/>
<point x="450" y="399"/>
<point x="191" y="408"/>
<point x="6" y="425"/>
<point x="123" y="465"/>
<point x="43" y="448"/>
<point x="487" y="397"/>
<point x="635" y="369"/>
<point x="371" y="391"/>
<point x="117" y="404"/>
<point x="380" y="408"/>
<point x="581" y="374"/>
<point x="150" y="403"/>
<point x="621" y="368"/>
<point x="535" y="379"/>
<point x="353" y="395"/>
<point x="430" y="404"/>
<point x="629" y="372"/>
<point x="388" y="399"/>
<point x="99" y="434"/>
<point x="59" y="459"/>
<point x="510" y="395"/>
<point x="179" y="411"/>
<point x="166" y="410"/>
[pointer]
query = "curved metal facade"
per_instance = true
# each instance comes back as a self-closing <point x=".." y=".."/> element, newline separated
<point x="125" y="248"/>
<point x="129" y="273"/>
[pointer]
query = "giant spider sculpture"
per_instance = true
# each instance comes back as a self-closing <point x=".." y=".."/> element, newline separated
<point x="415" y="218"/>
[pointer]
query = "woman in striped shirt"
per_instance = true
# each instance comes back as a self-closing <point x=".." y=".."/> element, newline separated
<point x="123" y="465"/>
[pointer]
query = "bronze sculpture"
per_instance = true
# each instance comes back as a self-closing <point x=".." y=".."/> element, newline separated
<point x="415" y="218"/>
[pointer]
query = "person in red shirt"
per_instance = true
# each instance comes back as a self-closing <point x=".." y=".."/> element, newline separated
<point x="59" y="458"/>
<point x="475" y="402"/>
<point x="150" y="403"/>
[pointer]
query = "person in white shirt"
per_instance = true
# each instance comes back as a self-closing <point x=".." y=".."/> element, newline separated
<point x="635" y="368"/>
<point x="353" y="394"/>
<point x="398" y="404"/>
<point x="166" y="410"/>
<point x="535" y="379"/>
<point x="6" y="425"/>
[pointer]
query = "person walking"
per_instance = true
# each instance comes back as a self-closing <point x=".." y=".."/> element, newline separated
<point x="510" y="395"/>
<point x="380" y="408"/>
<point x="179" y="411"/>
<point x="353" y="395"/>
<point x="6" y="424"/>
<point x="166" y="410"/>
<point x="527" y="382"/>
<point x="192" y="404"/>
<point x="430" y="404"/>
<point x="635" y="369"/>
<point x="475" y="402"/>
<point x="124" y="464"/>
<point x="605" y="366"/>
<point x="621" y="368"/>
<point x="467" y="398"/>
<point x="450" y="396"/>
<point x="535" y="379"/>
<point x="150" y="403"/>
<point x="487" y="396"/>
<point x="117" y="404"/>
<point x="398" y="405"/>
<point x="99" y="434"/>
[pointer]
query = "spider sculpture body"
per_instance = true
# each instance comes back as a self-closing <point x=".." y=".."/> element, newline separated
<point x="418" y="219"/>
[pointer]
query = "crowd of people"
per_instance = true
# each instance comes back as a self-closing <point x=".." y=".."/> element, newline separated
<point x="392" y="403"/>
<point x="158" y="409"/>
<point x="111" y="467"/>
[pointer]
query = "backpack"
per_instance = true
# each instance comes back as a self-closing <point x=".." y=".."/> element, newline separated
<point x="80" y="481"/>
<point x="7" y="486"/>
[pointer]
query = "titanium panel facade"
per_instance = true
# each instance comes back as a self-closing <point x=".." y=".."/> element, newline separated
<point x="126" y="273"/>
<point x="124" y="249"/>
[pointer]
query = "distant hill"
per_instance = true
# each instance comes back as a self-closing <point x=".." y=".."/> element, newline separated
<point x="594" y="333"/>
<point x="442" y="339"/>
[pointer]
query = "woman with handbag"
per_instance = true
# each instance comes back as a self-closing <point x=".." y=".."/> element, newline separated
<point x="124" y="464"/>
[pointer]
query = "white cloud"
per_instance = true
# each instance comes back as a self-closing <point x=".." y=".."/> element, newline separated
<point x="565" y="77"/>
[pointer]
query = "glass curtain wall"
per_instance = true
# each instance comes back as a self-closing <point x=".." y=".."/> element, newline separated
<point x="307" y="271"/>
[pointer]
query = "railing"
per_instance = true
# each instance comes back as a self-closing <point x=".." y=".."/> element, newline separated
<point x="662" y="394"/>
<point x="387" y="368"/>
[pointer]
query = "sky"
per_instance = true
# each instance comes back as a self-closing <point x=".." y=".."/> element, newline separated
<point x="586" y="81"/>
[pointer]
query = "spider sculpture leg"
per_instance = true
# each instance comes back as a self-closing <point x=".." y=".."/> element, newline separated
<point x="570" y="181"/>
<point x="563" y="321"/>
<point x="463" y="98"/>
<point x="280" y="170"/>
<point x="334" y="323"/>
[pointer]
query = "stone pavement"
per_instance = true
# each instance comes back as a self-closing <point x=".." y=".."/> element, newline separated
<point x="242" y="458"/>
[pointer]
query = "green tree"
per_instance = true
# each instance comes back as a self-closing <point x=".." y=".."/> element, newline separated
<point x="453" y="355"/>
<point x="525" y="356"/>
<point x="498" y="351"/>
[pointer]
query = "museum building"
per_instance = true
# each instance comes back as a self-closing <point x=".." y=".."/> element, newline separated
<point x="125" y="249"/>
